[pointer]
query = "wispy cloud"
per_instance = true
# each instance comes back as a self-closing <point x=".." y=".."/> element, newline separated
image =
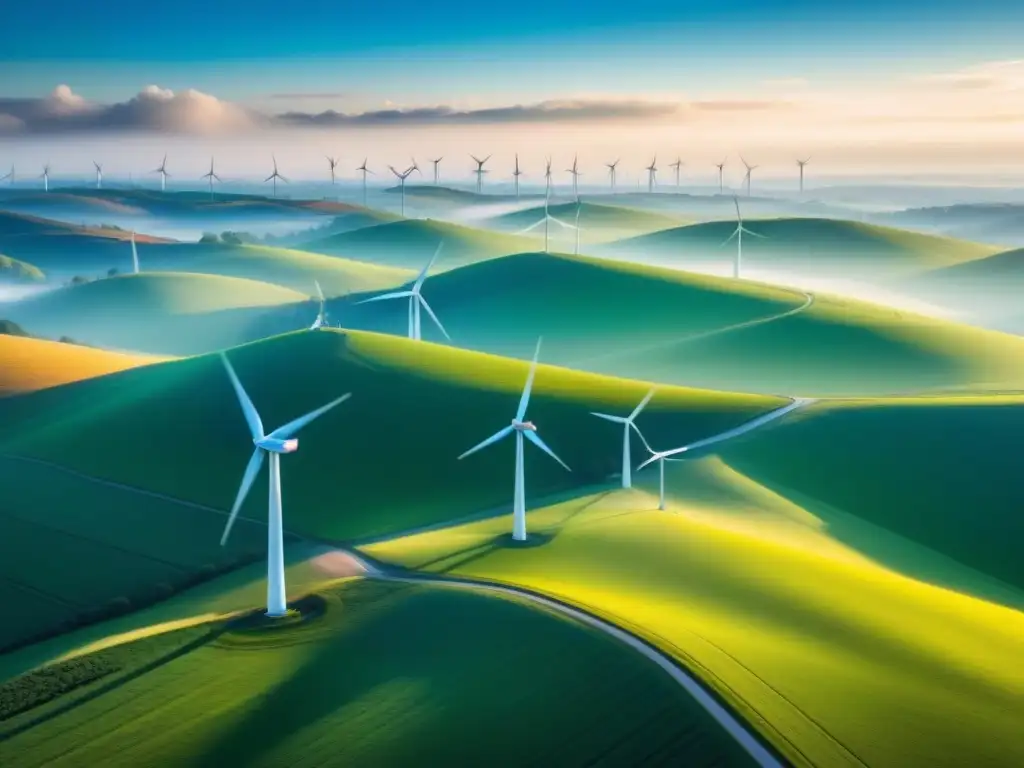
<point x="307" y="96"/>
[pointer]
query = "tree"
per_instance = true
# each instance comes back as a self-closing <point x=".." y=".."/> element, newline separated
<point x="112" y="271"/>
<point x="209" y="237"/>
<point x="78" y="280"/>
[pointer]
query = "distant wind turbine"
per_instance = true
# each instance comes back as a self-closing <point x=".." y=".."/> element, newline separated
<point x="333" y="163"/>
<point x="275" y="176"/>
<point x="652" y="170"/>
<point x="546" y="221"/>
<point x="416" y="300"/>
<point x="575" y="176"/>
<point x="738" y="234"/>
<point x="321" y="315"/>
<point x="628" y="423"/>
<point x="436" y="163"/>
<point x="99" y="174"/>
<point x="802" y="163"/>
<point x="479" y="171"/>
<point x="516" y="174"/>
<point x="611" y="173"/>
<point x="677" y="165"/>
<point x="661" y="457"/>
<point x="547" y="180"/>
<point x="364" y="171"/>
<point x="279" y="441"/>
<point x="45" y="176"/>
<point x="211" y="175"/>
<point x="750" y="169"/>
<point x="135" y="256"/>
<point x="522" y="428"/>
<point x="721" y="176"/>
<point x="401" y="179"/>
<point x="162" y="170"/>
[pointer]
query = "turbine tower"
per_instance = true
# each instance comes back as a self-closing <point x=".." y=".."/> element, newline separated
<point x="750" y="168"/>
<point x="611" y="172"/>
<point x="135" y="256"/>
<point x="416" y="300"/>
<point x="575" y="176"/>
<point x="321" y="316"/>
<point x="479" y="171"/>
<point x="628" y="423"/>
<point x="522" y="428"/>
<point x="516" y="174"/>
<point x="162" y="170"/>
<point x="436" y="163"/>
<point x="333" y="163"/>
<point x="721" y="176"/>
<point x="99" y="174"/>
<point x="546" y="221"/>
<point x="275" y="176"/>
<point x="364" y="171"/>
<point x="677" y="165"/>
<point x="579" y="205"/>
<point x="45" y="176"/>
<point x="401" y="179"/>
<point x="652" y="170"/>
<point x="211" y="175"/>
<point x="738" y="234"/>
<point x="802" y="163"/>
<point x="279" y="441"/>
<point x="661" y="457"/>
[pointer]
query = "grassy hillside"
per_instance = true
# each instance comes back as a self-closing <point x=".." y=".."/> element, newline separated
<point x="380" y="674"/>
<point x="157" y="312"/>
<point x="410" y="243"/>
<point x="344" y="222"/>
<point x="810" y="246"/>
<point x="288" y="268"/>
<point x="401" y="391"/>
<point x="672" y="326"/>
<point x="597" y="221"/>
<point x="14" y="271"/>
<point x="837" y="657"/>
<point x="31" y="364"/>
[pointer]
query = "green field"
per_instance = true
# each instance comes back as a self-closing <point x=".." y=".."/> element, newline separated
<point x="842" y="641"/>
<point x="173" y="313"/>
<point x="14" y="271"/>
<point x="410" y="243"/>
<point x="402" y="391"/>
<point x="670" y="326"/>
<point x="354" y="685"/>
<point x="597" y="221"/>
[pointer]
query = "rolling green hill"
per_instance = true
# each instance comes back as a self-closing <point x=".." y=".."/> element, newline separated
<point x="597" y="221"/>
<point x="410" y="243"/>
<point x="809" y="246"/>
<point x="344" y="222"/>
<point x="14" y="271"/>
<point x="378" y="674"/>
<point x="833" y="577"/>
<point x="158" y="312"/>
<point x="671" y="326"/>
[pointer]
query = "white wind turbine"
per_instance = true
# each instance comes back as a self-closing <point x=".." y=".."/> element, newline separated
<point x="436" y="163"/>
<point x="721" y="176"/>
<point x="750" y="169"/>
<point x="611" y="173"/>
<point x="279" y="441"/>
<point x="364" y="170"/>
<point x="738" y="234"/>
<point x="575" y="176"/>
<point x="135" y="256"/>
<point x="516" y="174"/>
<point x="480" y="171"/>
<point x="333" y="163"/>
<point x="546" y="221"/>
<point x="416" y="300"/>
<point x="677" y="165"/>
<point x="275" y="176"/>
<point x="401" y="178"/>
<point x="211" y="175"/>
<point x="162" y="170"/>
<point x="547" y="178"/>
<point x="321" y="316"/>
<point x="99" y="174"/>
<point x="652" y="171"/>
<point x="802" y="163"/>
<point x="628" y="423"/>
<point x="45" y="176"/>
<point x="522" y="428"/>
<point x="661" y="457"/>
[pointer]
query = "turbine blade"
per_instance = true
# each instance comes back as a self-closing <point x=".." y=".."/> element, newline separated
<point x="641" y="436"/>
<point x="293" y="426"/>
<point x="251" y="470"/>
<point x="754" y="234"/>
<point x="606" y="417"/>
<point x="532" y="226"/>
<point x="525" y="399"/>
<point x="252" y="418"/>
<point x="319" y="292"/>
<point x="423" y="274"/>
<point x="283" y="178"/>
<point x="385" y="296"/>
<point x="501" y="433"/>
<point x="643" y="403"/>
<point x="433" y="316"/>
<point x="534" y="438"/>
<point x="663" y="455"/>
<point x="728" y="240"/>
<point x="268" y="178"/>
<point x="557" y="221"/>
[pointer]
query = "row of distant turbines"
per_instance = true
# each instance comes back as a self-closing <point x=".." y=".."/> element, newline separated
<point x="479" y="171"/>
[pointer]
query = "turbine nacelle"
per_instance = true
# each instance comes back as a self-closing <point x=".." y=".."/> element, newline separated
<point x="277" y="446"/>
<point x="523" y="426"/>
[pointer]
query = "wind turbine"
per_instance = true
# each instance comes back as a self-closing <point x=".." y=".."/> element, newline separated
<point x="661" y="457"/>
<point x="321" y="316"/>
<point x="416" y="300"/>
<point x="802" y="163"/>
<point x="516" y="174"/>
<point x="279" y="441"/>
<point x="721" y="176"/>
<point x="333" y="163"/>
<point x="547" y="181"/>
<point x="135" y="256"/>
<point x="738" y="234"/>
<point x="211" y="176"/>
<point x="401" y="178"/>
<point x="45" y="176"/>
<point x="575" y="176"/>
<point x="275" y="176"/>
<point x="628" y="423"/>
<point x="522" y="428"/>
<point x="549" y="218"/>
<point x="479" y="171"/>
<point x="611" y="172"/>
<point x="9" y="175"/>
<point x="652" y="169"/>
<point x="750" y="168"/>
<point x="678" y="164"/>
<point x="162" y="170"/>
<point x="436" y="163"/>
<point x="99" y="174"/>
<point x="365" y="171"/>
